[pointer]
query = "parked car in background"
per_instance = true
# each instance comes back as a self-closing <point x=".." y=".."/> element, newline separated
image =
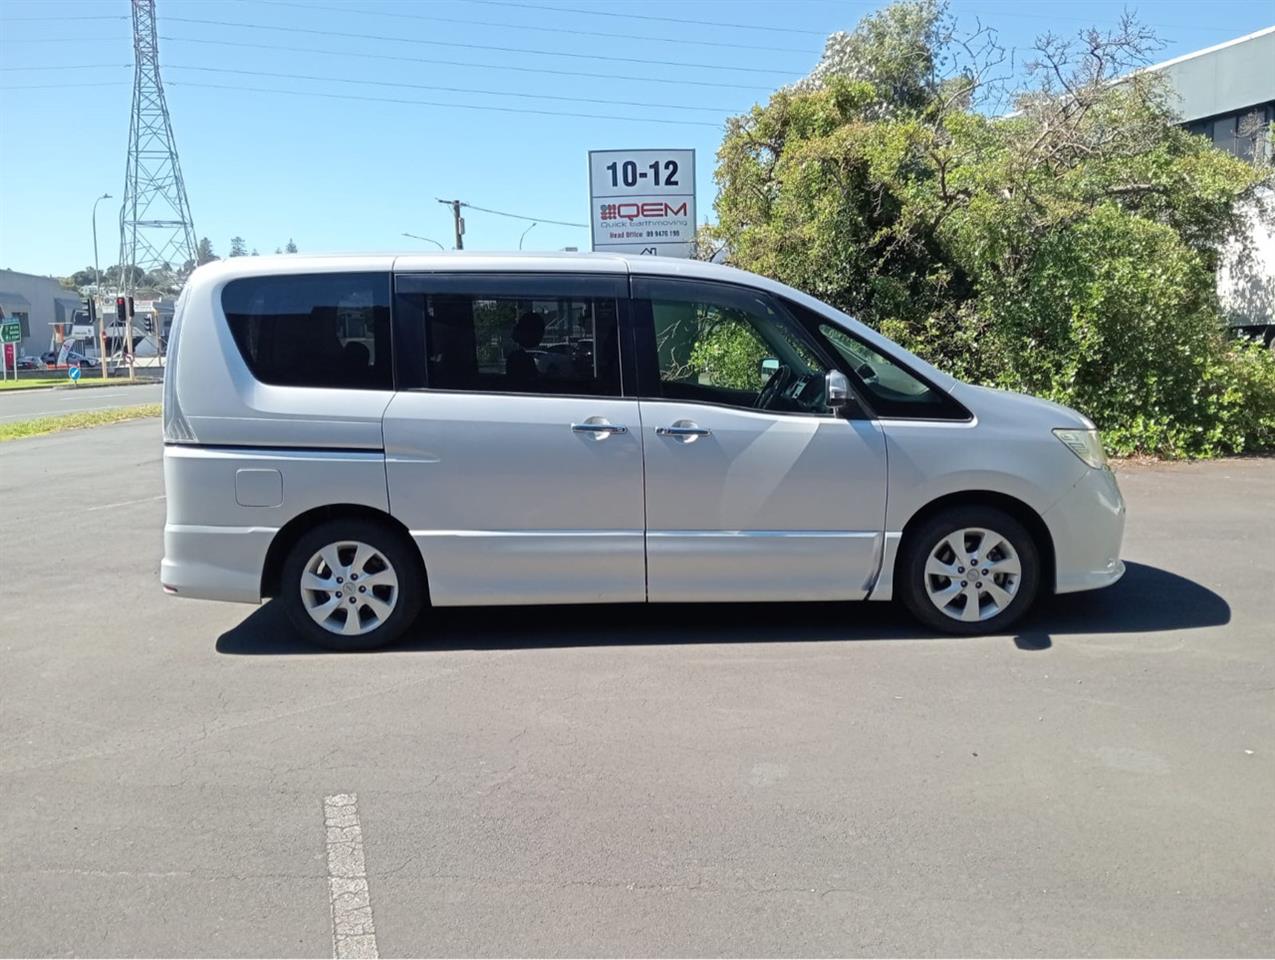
<point x="344" y="434"/>
<point x="28" y="362"/>
<point x="50" y="359"/>
<point x="90" y="363"/>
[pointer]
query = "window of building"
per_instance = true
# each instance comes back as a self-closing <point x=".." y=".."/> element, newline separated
<point x="313" y="330"/>
<point x="516" y="344"/>
<point x="1244" y="133"/>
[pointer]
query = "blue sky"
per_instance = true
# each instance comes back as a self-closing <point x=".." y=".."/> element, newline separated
<point x="339" y="166"/>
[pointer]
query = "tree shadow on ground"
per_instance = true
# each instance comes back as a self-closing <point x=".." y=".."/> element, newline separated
<point x="1146" y="600"/>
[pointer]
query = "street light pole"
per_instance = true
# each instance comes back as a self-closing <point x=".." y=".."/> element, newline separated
<point x="524" y="235"/>
<point x="416" y="236"/>
<point x="97" y="287"/>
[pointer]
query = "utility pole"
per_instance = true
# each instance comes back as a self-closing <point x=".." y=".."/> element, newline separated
<point x="459" y="221"/>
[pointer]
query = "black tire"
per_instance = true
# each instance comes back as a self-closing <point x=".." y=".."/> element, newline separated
<point x="396" y="551"/>
<point x="912" y="578"/>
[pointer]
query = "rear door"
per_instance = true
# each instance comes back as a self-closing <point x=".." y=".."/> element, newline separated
<point x="754" y="489"/>
<point x="510" y="453"/>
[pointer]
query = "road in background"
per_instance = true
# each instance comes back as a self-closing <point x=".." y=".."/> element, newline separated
<point x="689" y="780"/>
<point x="27" y="404"/>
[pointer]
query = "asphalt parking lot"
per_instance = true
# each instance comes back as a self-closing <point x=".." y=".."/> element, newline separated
<point x="182" y="778"/>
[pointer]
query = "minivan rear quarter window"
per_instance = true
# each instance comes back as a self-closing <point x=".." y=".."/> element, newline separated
<point x="313" y="330"/>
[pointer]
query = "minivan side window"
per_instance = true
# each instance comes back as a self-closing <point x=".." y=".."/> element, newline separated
<point x="496" y="343"/>
<point x="733" y="346"/>
<point x="888" y="387"/>
<point x="891" y="390"/>
<point x="314" y="329"/>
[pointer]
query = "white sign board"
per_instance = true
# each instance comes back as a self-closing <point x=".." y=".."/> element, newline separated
<point x="643" y="201"/>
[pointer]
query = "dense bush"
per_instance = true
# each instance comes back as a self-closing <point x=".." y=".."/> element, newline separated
<point x="1065" y="248"/>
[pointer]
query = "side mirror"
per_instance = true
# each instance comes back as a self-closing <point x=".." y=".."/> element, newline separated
<point x="768" y="365"/>
<point x="837" y="391"/>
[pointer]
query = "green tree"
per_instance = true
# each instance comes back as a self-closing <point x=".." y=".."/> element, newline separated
<point x="1064" y="247"/>
<point x="204" y="252"/>
<point x="291" y="247"/>
<point x="81" y="279"/>
<point x="237" y="247"/>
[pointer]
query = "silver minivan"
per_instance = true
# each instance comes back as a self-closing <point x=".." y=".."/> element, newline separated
<point x="365" y="437"/>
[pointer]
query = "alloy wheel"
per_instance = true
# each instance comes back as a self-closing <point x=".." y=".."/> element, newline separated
<point x="972" y="574"/>
<point x="349" y="588"/>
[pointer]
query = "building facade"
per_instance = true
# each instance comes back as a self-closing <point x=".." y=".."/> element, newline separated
<point x="1227" y="93"/>
<point x="45" y="309"/>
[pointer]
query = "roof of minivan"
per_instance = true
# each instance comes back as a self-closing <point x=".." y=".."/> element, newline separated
<point x="564" y="262"/>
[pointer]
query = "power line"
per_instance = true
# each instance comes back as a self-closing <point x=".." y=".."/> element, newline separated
<point x="63" y="86"/>
<point x="523" y="26"/>
<point x="61" y="19"/>
<point x="465" y="63"/>
<point x="75" y="66"/>
<point x="429" y="86"/>
<point x="452" y="106"/>
<point x="25" y="40"/>
<point x="640" y="16"/>
<point x="518" y="216"/>
<point x="471" y="46"/>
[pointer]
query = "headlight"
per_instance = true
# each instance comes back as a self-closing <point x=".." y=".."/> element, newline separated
<point x="1086" y="444"/>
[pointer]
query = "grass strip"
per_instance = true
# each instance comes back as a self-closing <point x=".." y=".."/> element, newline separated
<point x="88" y="381"/>
<point x="20" y="429"/>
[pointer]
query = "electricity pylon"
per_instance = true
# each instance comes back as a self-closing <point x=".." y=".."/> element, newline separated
<point x="156" y="229"/>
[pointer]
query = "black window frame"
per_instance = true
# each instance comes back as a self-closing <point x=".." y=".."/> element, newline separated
<point x="646" y="288"/>
<point x="410" y="288"/>
<point x="386" y="297"/>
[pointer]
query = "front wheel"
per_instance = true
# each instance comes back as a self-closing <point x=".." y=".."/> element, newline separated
<point x="970" y="570"/>
<point x="352" y="585"/>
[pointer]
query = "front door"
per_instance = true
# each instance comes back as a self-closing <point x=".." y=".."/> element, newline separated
<point x="511" y="456"/>
<point x="754" y="490"/>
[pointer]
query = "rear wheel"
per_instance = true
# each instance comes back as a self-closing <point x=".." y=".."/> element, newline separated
<point x="970" y="570"/>
<point x="352" y="585"/>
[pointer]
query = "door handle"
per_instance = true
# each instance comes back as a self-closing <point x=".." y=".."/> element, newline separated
<point x="684" y="430"/>
<point x="598" y="428"/>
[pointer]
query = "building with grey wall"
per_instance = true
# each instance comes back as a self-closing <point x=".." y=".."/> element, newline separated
<point x="44" y="308"/>
<point x="1227" y="93"/>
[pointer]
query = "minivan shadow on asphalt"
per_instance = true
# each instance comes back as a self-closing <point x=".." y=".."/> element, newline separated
<point x="1146" y="600"/>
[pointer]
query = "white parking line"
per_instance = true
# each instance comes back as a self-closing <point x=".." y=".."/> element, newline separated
<point x="352" y="932"/>
<point x="102" y="394"/>
<point x="123" y="503"/>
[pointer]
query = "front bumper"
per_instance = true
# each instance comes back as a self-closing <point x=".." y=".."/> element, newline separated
<point x="1087" y="526"/>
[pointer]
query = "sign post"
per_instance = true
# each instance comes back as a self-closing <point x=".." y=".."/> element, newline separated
<point x="643" y="201"/>
<point x="10" y="336"/>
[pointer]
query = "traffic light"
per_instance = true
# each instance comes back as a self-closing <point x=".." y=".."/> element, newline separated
<point x="150" y="324"/>
<point x="120" y="306"/>
<point x="131" y="313"/>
